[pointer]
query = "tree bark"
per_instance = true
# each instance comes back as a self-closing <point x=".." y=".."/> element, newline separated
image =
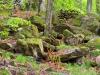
<point x="48" y="17"/>
<point x="89" y="6"/>
<point x="42" y="6"/>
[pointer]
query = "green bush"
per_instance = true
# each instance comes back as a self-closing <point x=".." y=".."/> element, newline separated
<point x="14" y="23"/>
<point x="95" y="52"/>
<point x="4" y="34"/>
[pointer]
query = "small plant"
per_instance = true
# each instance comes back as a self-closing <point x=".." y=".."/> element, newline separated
<point x="15" y="23"/>
<point x="4" y="72"/>
<point x="53" y="57"/>
<point x="7" y="55"/>
<point x="21" y="59"/>
<point x="4" y="34"/>
<point x="95" y="52"/>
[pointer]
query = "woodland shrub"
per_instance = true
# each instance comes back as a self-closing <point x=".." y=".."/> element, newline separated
<point x="14" y="23"/>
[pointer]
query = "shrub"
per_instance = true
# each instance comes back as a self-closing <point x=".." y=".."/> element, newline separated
<point x="14" y="23"/>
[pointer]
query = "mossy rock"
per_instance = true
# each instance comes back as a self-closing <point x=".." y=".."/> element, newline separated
<point x="83" y="31"/>
<point x="67" y="33"/>
<point x="30" y="44"/>
<point x="28" y="32"/>
<point x="94" y="42"/>
<point x="90" y="22"/>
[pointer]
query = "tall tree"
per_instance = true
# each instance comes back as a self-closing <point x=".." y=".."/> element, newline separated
<point x="89" y="6"/>
<point x="49" y="12"/>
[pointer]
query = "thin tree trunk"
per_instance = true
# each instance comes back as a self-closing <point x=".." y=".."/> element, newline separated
<point x="42" y="6"/>
<point x="49" y="17"/>
<point x="89" y="6"/>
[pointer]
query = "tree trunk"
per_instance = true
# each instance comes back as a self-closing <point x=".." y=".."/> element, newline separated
<point x="49" y="17"/>
<point x="42" y="6"/>
<point x="89" y="6"/>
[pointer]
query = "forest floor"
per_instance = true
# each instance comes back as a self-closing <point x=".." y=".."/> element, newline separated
<point x="72" y="48"/>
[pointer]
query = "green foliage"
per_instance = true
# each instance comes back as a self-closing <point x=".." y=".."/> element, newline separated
<point x="87" y="63"/>
<point x="94" y="42"/>
<point x="39" y="20"/>
<point x="79" y="5"/>
<point x="77" y="70"/>
<point x="63" y="46"/>
<point x="21" y="59"/>
<point x="7" y="5"/>
<point x="67" y="14"/>
<point x="95" y="52"/>
<point x="4" y="72"/>
<point x="14" y="23"/>
<point x="7" y="55"/>
<point x="4" y="34"/>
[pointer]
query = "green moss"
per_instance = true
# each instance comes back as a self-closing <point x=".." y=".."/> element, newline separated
<point x="63" y="46"/>
<point x="95" y="52"/>
<point x="4" y="34"/>
<point x="31" y="41"/>
<point x="80" y="70"/>
<point x="4" y="72"/>
<point x="28" y="32"/>
<point x="21" y="59"/>
<point x="94" y="42"/>
<point x="67" y="33"/>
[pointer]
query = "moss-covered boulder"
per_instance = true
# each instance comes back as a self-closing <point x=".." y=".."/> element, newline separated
<point x="72" y="53"/>
<point x="90" y="22"/>
<point x="28" y="32"/>
<point x="67" y="33"/>
<point x="94" y="42"/>
<point x="30" y="46"/>
<point x="74" y="40"/>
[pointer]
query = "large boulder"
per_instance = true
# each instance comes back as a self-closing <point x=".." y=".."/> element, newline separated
<point x="27" y="32"/>
<point x="94" y="42"/>
<point x="67" y="33"/>
<point x="90" y="22"/>
<point x="98" y="60"/>
<point x="72" y="53"/>
<point x="30" y="46"/>
<point x="74" y="40"/>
